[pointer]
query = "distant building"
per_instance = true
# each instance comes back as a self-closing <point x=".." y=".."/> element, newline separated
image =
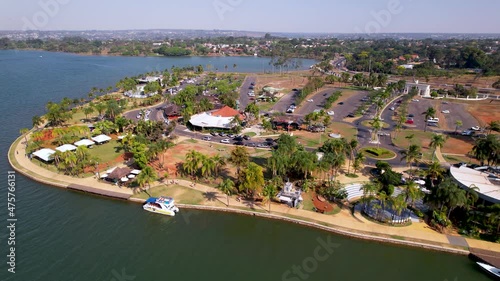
<point x="423" y="89"/>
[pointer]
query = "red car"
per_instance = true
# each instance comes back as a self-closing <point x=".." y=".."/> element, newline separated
<point x="409" y="121"/>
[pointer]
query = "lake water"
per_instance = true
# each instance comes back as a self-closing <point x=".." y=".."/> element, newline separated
<point x="65" y="235"/>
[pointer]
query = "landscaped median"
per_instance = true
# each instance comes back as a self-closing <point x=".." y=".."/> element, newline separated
<point x="378" y="153"/>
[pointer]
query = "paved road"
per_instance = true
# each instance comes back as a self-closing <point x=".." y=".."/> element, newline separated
<point x="285" y="102"/>
<point x="244" y="98"/>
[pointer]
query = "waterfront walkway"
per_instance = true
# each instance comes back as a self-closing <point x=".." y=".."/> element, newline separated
<point x="345" y="221"/>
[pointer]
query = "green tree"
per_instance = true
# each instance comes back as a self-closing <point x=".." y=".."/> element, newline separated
<point x="411" y="155"/>
<point x="36" y="121"/>
<point x="87" y="111"/>
<point x="458" y="124"/>
<point x="251" y="178"/>
<point x="227" y="187"/>
<point x="270" y="191"/>
<point x="437" y="140"/>
<point x="147" y="176"/>
<point x="429" y="113"/>
<point x="239" y="157"/>
<point x="24" y="132"/>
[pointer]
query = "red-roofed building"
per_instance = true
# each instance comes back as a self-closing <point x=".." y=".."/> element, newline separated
<point x="227" y="111"/>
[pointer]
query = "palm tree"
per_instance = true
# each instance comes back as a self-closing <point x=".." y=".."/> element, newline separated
<point x="269" y="193"/>
<point x="227" y="187"/>
<point x="100" y="108"/>
<point x="434" y="171"/>
<point x="147" y="176"/>
<point x="410" y="155"/>
<point x="410" y="139"/>
<point x="36" y="121"/>
<point x="193" y="161"/>
<point x="219" y="162"/>
<point x="430" y="112"/>
<point x="412" y="192"/>
<point x="437" y="140"/>
<point x="351" y="148"/>
<point x="87" y="111"/>
<point x="25" y="131"/>
<point x="398" y="204"/>
<point x="369" y="190"/>
<point x="458" y="124"/>
<point x="304" y="162"/>
<point x="376" y="124"/>
<point x="358" y="160"/>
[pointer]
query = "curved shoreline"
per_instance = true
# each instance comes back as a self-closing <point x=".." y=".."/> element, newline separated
<point x="339" y="230"/>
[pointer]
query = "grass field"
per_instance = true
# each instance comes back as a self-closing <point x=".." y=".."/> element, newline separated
<point x="182" y="195"/>
<point x="366" y="123"/>
<point x="106" y="152"/>
<point x="310" y="139"/>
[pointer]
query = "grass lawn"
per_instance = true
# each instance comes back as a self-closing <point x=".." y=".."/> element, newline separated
<point x="378" y="153"/>
<point x="78" y="116"/>
<point x="181" y="194"/>
<point x="266" y="106"/>
<point x="106" y="152"/>
<point x="421" y="138"/>
<point x="454" y="159"/>
<point x="251" y="134"/>
<point x="310" y="139"/>
<point x="307" y="204"/>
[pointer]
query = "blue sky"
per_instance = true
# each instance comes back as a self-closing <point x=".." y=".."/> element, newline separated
<point x="353" y="16"/>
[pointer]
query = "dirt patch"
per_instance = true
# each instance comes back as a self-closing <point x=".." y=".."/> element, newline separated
<point x="286" y="83"/>
<point x="458" y="145"/>
<point x="485" y="111"/>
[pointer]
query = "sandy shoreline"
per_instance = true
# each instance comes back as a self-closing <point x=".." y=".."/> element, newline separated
<point x="341" y="224"/>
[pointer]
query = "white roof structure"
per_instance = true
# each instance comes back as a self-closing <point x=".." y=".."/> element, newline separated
<point x="66" y="147"/>
<point x="101" y="138"/>
<point x="135" y="172"/>
<point x="206" y="120"/>
<point x="488" y="187"/>
<point x="44" y="154"/>
<point x="84" y="142"/>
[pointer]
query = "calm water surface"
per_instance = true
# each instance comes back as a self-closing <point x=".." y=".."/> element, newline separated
<point x="65" y="235"/>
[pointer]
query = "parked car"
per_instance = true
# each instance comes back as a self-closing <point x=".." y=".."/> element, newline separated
<point x="238" y="138"/>
<point x="432" y="124"/>
<point x="445" y="111"/>
<point x="411" y="115"/>
<point x="269" y="140"/>
<point x="350" y="115"/>
<point x="392" y="108"/>
<point x="239" y="143"/>
<point x="310" y="100"/>
<point x="246" y="137"/>
<point x="475" y="128"/>
<point x="222" y="134"/>
<point x="213" y="134"/>
<point x="331" y="113"/>
<point x="230" y="136"/>
<point x="409" y="121"/>
<point x="225" y="141"/>
<point x="341" y="103"/>
<point x="206" y="138"/>
<point x="467" y="133"/>
<point x="415" y="100"/>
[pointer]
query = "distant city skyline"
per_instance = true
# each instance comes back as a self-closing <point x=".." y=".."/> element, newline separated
<point x="290" y="16"/>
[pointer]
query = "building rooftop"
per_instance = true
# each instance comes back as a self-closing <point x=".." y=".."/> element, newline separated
<point x="488" y="184"/>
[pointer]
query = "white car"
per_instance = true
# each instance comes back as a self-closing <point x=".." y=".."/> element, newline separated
<point x="475" y="128"/>
<point x="392" y="108"/>
<point x="415" y="100"/>
<point x="251" y="94"/>
<point x="433" y="120"/>
<point x="310" y="100"/>
<point x="225" y="141"/>
<point x="445" y="111"/>
<point x="331" y="113"/>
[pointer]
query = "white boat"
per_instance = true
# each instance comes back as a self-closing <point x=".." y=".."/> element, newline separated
<point x="490" y="269"/>
<point x="162" y="205"/>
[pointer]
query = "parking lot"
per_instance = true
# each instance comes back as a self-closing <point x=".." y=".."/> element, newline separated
<point x="283" y="104"/>
<point x="446" y="121"/>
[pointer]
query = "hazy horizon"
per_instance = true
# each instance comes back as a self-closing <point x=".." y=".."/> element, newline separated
<point x="279" y="16"/>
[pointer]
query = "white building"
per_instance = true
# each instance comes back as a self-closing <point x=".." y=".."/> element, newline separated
<point x="423" y="89"/>
<point x="488" y="185"/>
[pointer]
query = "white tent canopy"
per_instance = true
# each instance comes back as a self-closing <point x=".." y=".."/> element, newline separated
<point x="44" y="154"/>
<point x="66" y="147"/>
<point x="84" y="142"/>
<point x="135" y="172"/>
<point x="101" y="138"/>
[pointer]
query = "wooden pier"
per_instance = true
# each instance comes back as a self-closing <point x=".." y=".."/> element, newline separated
<point x="97" y="191"/>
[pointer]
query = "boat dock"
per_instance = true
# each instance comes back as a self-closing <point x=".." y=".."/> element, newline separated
<point x="98" y="191"/>
<point x="489" y="257"/>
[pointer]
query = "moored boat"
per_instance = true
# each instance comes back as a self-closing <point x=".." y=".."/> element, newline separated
<point x="162" y="205"/>
<point x="490" y="269"/>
